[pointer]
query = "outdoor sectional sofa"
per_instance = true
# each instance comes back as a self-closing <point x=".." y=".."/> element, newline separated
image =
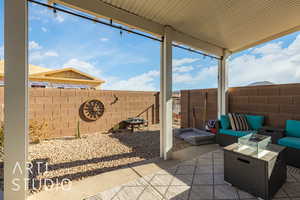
<point x="226" y="136"/>
<point x="292" y="142"/>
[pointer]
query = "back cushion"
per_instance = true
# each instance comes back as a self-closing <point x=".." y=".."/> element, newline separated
<point x="238" y="122"/>
<point x="255" y="122"/>
<point x="225" y="123"/>
<point x="293" y="128"/>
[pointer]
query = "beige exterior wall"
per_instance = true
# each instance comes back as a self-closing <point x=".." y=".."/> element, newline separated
<point x="277" y="103"/>
<point x="60" y="108"/>
<point x="195" y="100"/>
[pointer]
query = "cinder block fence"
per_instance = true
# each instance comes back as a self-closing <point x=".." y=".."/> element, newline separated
<point x="277" y="103"/>
<point x="60" y="108"/>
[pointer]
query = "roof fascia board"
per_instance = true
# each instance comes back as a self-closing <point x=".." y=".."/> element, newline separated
<point x="104" y="10"/>
<point x="185" y="39"/>
<point x="66" y="70"/>
<point x="65" y="79"/>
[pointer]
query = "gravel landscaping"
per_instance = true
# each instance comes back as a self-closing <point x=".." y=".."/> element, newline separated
<point x="76" y="159"/>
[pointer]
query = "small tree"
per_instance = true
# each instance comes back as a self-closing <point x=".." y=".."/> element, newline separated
<point x="38" y="131"/>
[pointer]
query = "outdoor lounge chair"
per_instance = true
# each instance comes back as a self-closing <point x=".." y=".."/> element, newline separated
<point x="292" y="142"/>
<point x="195" y="136"/>
<point x="226" y="136"/>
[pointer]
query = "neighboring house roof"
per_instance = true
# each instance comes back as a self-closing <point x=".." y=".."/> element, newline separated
<point x="64" y="75"/>
<point x="32" y="68"/>
<point x="261" y="83"/>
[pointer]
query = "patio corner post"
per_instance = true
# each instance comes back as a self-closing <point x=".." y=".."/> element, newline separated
<point x="166" y="133"/>
<point x="223" y="84"/>
<point x="15" y="99"/>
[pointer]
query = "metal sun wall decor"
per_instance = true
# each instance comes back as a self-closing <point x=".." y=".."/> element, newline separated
<point x="91" y="110"/>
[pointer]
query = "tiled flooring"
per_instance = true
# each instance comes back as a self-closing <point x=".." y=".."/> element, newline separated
<point x="198" y="179"/>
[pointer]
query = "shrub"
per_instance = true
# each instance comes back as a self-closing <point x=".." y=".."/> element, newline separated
<point x="1" y="135"/>
<point x="38" y="131"/>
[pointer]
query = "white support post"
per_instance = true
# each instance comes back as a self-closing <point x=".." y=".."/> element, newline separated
<point x="15" y="99"/>
<point x="222" y="85"/>
<point x="166" y="134"/>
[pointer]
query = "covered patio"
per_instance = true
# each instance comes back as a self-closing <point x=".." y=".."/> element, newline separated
<point x="199" y="178"/>
<point x="218" y="28"/>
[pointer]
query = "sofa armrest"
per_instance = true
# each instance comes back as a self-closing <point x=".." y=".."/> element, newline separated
<point x="218" y="125"/>
<point x="275" y="133"/>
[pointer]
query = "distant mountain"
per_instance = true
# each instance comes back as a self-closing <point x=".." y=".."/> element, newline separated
<point x="261" y="83"/>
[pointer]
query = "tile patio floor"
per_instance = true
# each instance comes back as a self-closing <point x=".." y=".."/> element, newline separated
<point x="198" y="179"/>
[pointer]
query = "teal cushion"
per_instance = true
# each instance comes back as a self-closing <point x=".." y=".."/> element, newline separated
<point x="293" y="142"/>
<point x="293" y="128"/>
<point x="255" y="121"/>
<point x="225" y="123"/>
<point x="235" y="133"/>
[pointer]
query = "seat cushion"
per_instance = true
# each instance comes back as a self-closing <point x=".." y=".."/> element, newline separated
<point x="235" y="133"/>
<point x="225" y="123"/>
<point x="293" y="128"/>
<point x="255" y="121"/>
<point x="292" y="142"/>
<point x="238" y="122"/>
<point x="195" y="136"/>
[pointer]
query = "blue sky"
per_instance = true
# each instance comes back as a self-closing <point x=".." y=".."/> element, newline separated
<point x="130" y="62"/>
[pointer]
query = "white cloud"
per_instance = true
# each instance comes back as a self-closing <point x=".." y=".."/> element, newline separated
<point x="202" y="77"/>
<point x="39" y="55"/>
<point x="270" y="62"/>
<point x="51" y="54"/>
<point x="142" y="82"/>
<point x="1" y="52"/>
<point x="183" y="68"/>
<point x="180" y="69"/>
<point x="35" y="56"/>
<point x="32" y="45"/>
<point x="45" y="15"/>
<point x="103" y="39"/>
<point x="270" y="48"/>
<point x="183" y="78"/>
<point x="59" y="18"/>
<point x="183" y="61"/>
<point x="275" y="63"/>
<point x="83" y="66"/>
<point x="298" y="74"/>
<point x="44" y="29"/>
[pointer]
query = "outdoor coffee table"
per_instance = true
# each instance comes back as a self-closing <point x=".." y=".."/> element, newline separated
<point x="135" y="123"/>
<point x="261" y="175"/>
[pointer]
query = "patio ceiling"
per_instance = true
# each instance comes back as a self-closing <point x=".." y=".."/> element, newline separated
<point x="207" y="25"/>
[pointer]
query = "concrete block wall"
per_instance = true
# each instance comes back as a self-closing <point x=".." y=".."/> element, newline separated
<point x="194" y="101"/>
<point x="60" y="108"/>
<point x="277" y="103"/>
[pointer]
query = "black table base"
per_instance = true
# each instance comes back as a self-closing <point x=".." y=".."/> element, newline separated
<point x="252" y="175"/>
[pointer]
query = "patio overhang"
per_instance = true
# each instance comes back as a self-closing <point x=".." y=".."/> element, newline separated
<point x="209" y="26"/>
<point x="126" y="17"/>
